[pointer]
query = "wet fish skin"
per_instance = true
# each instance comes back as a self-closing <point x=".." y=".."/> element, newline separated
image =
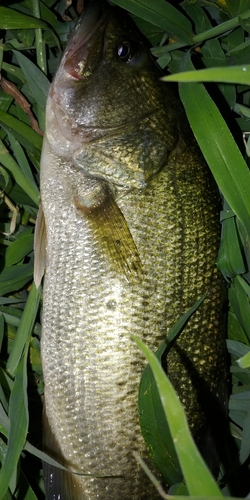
<point x="131" y="216"/>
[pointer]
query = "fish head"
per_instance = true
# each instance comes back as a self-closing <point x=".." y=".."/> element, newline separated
<point x="107" y="102"/>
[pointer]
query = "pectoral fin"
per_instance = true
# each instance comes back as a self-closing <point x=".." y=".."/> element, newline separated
<point x="112" y="231"/>
<point x="39" y="247"/>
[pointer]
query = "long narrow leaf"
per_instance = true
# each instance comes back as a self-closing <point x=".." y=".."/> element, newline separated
<point x="198" y="479"/>
<point x="218" y="147"/>
<point x="18" y="413"/>
<point x="154" y="426"/>
<point x="23" y="163"/>
<point x="25" y="328"/>
<point x="161" y="14"/>
<point x="15" y="277"/>
<point x="12" y="20"/>
<point x="23" y="131"/>
<point x="9" y="163"/>
<point x="36" y="79"/>
<point x="226" y="74"/>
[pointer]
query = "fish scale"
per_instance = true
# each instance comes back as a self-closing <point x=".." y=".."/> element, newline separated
<point x="132" y="238"/>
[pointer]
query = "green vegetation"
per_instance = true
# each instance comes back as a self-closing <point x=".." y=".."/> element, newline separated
<point x="209" y="41"/>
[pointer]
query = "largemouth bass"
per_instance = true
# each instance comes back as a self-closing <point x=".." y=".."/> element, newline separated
<point x="132" y="228"/>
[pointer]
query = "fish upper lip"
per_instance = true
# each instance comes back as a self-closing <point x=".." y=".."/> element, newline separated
<point x="86" y="27"/>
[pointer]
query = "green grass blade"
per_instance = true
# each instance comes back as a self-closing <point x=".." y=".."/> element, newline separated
<point x="19" y="248"/>
<point x="25" y="328"/>
<point x="230" y="260"/>
<point x="226" y="74"/>
<point x="237" y="348"/>
<point x="10" y="164"/>
<point x="221" y="28"/>
<point x="15" y="277"/>
<point x="218" y="147"/>
<point x="161" y="14"/>
<point x="4" y="422"/>
<point x="13" y="20"/>
<point x="21" y="130"/>
<point x="198" y="479"/>
<point x="24" y="164"/>
<point x="240" y="302"/>
<point x="40" y="43"/>
<point x="36" y="79"/>
<point x="245" y="442"/>
<point x="154" y="426"/>
<point x="18" y="414"/>
<point x="24" y="490"/>
<point x="1" y="329"/>
<point x="244" y="361"/>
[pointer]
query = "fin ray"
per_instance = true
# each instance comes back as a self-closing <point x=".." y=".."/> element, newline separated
<point x="112" y="231"/>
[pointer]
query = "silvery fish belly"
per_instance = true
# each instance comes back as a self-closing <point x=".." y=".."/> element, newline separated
<point x="131" y="218"/>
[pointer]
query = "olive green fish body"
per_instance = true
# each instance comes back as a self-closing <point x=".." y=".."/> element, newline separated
<point x="131" y="218"/>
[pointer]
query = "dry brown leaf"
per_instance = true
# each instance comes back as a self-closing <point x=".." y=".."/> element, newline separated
<point x="11" y="89"/>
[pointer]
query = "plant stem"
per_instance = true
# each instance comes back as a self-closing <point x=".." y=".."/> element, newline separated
<point x="221" y="28"/>
<point x="40" y="44"/>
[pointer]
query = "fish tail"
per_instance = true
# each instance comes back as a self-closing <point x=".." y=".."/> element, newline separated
<point x="60" y="484"/>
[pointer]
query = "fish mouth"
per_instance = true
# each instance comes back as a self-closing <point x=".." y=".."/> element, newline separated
<point x="76" y="55"/>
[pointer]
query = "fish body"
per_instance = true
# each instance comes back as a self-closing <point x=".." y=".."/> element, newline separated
<point x="131" y="217"/>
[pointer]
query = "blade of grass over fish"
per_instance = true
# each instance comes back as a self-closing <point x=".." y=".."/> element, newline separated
<point x="198" y="478"/>
<point x="230" y="74"/>
<point x="218" y="146"/>
<point x="18" y="414"/>
<point x="151" y="476"/>
<point x="12" y="20"/>
<point x="46" y="458"/>
<point x="161" y="14"/>
<point x="154" y="426"/>
<point x="25" y="328"/>
<point x="42" y="455"/>
<point x="175" y="330"/>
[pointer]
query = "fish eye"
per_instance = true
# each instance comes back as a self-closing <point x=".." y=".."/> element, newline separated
<point x="125" y="51"/>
